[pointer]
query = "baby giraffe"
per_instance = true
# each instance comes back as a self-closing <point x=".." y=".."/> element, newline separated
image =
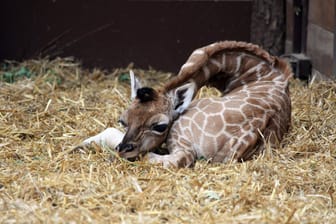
<point x="255" y="108"/>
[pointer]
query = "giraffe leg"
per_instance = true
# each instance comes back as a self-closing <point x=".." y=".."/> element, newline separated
<point x="178" y="159"/>
<point x="110" y="137"/>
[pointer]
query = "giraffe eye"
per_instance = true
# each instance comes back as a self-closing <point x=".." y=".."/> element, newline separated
<point x="159" y="127"/>
<point x="122" y="122"/>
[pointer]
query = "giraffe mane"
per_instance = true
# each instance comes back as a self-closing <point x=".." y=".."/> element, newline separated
<point x="196" y="61"/>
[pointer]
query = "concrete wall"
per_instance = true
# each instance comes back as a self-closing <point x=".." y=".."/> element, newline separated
<point x="320" y="35"/>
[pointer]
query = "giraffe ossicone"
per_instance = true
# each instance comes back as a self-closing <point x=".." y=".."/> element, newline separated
<point x="255" y="107"/>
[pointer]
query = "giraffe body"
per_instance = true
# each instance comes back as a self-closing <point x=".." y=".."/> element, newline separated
<point x="223" y="129"/>
<point x="255" y="107"/>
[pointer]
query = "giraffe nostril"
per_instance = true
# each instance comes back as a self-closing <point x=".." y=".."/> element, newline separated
<point x="117" y="148"/>
<point x="125" y="147"/>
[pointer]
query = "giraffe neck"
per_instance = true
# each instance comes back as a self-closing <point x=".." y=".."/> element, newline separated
<point x="228" y="65"/>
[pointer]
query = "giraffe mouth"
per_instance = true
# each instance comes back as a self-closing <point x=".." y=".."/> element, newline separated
<point x="137" y="154"/>
<point x="133" y="152"/>
<point x="130" y="154"/>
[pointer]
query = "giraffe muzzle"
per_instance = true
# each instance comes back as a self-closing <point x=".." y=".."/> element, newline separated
<point x="123" y="148"/>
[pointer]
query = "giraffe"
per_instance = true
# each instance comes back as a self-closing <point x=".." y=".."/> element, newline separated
<point x="255" y="108"/>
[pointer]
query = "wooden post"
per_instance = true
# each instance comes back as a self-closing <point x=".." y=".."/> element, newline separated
<point x="300" y="25"/>
<point x="268" y="25"/>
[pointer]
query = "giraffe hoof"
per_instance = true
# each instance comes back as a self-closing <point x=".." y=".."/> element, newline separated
<point x="160" y="160"/>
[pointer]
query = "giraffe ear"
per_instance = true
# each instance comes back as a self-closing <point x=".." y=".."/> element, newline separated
<point x="182" y="97"/>
<point x="135" y="85"/>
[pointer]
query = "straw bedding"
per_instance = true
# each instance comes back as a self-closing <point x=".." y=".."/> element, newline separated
<point x="42" y="179"/>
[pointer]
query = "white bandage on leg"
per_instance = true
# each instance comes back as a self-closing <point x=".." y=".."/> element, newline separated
<point x="111" y="137"/>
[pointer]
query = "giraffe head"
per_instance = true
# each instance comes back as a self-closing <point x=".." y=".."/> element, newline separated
<point x="150" y="116"/>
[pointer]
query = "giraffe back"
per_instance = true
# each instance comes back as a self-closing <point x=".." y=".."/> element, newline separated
<point x="229" y="64"/>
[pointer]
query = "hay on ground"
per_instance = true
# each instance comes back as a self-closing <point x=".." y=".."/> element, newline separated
<point x="51" y="106"/>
